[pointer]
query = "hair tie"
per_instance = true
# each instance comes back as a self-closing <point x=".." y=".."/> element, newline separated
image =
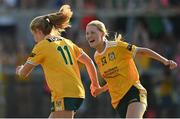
<point x="48" y="20"/>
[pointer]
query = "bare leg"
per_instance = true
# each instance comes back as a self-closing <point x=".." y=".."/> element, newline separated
<point x="62" y="114"/>
<point x="136" y="110"/>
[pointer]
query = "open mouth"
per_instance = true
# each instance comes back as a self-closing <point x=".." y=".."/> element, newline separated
<point x="91" y="41"/>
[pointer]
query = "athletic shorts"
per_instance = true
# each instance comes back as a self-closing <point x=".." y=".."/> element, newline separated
<point x="133" y="95"/>
<point x="70" y="104"/>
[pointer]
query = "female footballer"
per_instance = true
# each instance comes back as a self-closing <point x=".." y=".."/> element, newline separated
<point x="59" y="58"/>
<point x="115" y="60"/>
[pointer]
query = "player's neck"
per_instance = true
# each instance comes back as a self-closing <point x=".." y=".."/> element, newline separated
<point x="101" y="47"/>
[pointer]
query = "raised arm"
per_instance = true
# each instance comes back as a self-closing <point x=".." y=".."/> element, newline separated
<point x="152" y="54"/>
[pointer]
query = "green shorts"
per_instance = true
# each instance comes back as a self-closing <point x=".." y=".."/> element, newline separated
<point x="133" y="95"/>
<point x="67" y="103"/>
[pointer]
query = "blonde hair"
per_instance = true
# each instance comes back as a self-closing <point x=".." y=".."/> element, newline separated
<point x="54" y="22"/>
<point x="101" y="27"/>
<point x="118" y="37"/>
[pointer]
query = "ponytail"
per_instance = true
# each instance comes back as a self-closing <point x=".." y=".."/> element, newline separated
<point x="118" y="37"/>
<point x="61" y="19"/>
<point x="57" y="21"/>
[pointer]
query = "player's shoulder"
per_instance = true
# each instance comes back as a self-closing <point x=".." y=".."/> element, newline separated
<point x="109" y="45"/>
<point x="45" y="43"/>
<point x="115" y="43"/>
<point x="40" y="44"/>
<point x="112" y="44"/>
<point x="67" y="40"/>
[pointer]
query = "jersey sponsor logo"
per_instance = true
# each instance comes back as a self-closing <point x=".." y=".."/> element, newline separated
<point x="129" y="47"/>
<point x="111" y="73"/>
<point x="111" y="56"/>
<point x="32" y="55"/>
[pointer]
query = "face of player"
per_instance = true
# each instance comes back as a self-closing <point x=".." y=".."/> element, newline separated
<point x="38" y="35"/>
<point x="94" y="36"/>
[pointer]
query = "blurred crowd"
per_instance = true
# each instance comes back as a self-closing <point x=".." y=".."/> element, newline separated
<point x="147" y="23"/>
<point x="80" y="4"/>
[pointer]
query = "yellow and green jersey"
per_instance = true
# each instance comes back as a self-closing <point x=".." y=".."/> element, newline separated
<point x="58" y="58"/>
<point x="117" y="67"/>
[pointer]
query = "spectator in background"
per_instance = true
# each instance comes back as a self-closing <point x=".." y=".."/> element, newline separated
<point x="91" y="4"/>
<point x="174" y="3"/>
<point x="11" y="3"/>
<point x="2" y="86"/>
<point x="8" y="4"/>
<point x="32" y="4"/>
<point x="166" y="95"/>
<point x="155" y="26"/>
<point x="177" y="58"/>
<point x="58" y="3"/>
<point x="22" y="54"/>
<point x="85" y="20"/>
<point x="141" y="35"/>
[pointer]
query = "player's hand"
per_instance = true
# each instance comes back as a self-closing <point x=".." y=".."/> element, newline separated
<point x="93" y="88"/>
<point x="171" y="64"/>
<point x="96" y="91"/>
<point x="18" y="69"/>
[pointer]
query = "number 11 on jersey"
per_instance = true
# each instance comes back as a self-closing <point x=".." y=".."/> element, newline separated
<point x="62" y="50"/>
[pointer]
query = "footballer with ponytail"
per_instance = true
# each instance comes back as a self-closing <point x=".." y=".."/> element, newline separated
<point x="59" y="59"/>
<point x="57" y="21"/>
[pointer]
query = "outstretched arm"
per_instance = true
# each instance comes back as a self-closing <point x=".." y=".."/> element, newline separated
<point x="23" y="71"/>
<point x="152" y="54"/>
<point x="85" y="59"/>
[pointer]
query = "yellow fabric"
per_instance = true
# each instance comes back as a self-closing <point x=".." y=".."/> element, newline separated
<point x="117" y="67"/>
<point x="143" y="63"/>
<point x="63" y="78"/>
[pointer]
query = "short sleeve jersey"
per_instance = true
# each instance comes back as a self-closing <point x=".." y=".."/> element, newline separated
<point x="58" y="58"/>
<point x="117" y="67"/>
